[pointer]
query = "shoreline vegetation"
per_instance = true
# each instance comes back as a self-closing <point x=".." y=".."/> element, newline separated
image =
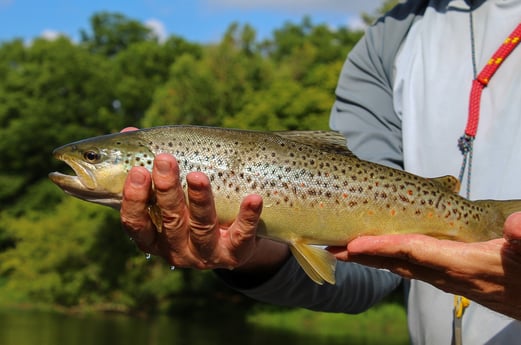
<point x="63" y="255"/>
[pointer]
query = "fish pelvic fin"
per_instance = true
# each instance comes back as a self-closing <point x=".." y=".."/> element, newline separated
<point x="318" y="263"/>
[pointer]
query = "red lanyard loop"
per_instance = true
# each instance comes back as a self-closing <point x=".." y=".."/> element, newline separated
<point x="466" y="142"/>
<point x="484" y="77"/>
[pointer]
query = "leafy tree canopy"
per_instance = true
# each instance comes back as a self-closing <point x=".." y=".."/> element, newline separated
<point x="63" y="251"/>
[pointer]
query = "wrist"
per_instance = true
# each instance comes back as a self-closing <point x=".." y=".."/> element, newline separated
<point x="268" y="258"/>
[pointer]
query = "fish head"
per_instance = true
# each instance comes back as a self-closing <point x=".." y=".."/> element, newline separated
<point x="100" y="165"/>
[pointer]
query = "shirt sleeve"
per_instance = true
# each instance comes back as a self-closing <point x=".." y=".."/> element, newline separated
<point x="357" y="288"/>
<point x="363" y="110"/>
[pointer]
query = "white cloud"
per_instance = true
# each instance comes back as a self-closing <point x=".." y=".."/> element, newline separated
<point x="158" y="28"/>
<point x="302" y="6"/>
<point x="51" y="35"/>
<point x="356" y="23"/>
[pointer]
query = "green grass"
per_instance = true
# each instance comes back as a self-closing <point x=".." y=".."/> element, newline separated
<point x="383" y="324"/>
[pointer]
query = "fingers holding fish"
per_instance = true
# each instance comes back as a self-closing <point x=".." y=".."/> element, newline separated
<point x="220" y="245"/>
<point x="456" y="258"/>
<point x="204" y="226"/>
<point x="170" y="197"/>
<point x="189" y="233"/>
<point x="173" y="233"/>
<point x="475" y="270"/>
<point x="244" y="227"/>
<point x="134" y="213"/>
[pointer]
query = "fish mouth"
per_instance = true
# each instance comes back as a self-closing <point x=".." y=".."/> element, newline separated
<point x="84" y="177"/>
<point x="83" y="185"/>
<point x="69" y="183"/>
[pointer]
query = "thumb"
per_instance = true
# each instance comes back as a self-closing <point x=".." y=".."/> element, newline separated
<point x="244" y="227"/>
<point x="512" y="231"/>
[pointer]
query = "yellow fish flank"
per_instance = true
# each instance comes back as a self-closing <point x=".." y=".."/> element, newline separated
<point x="315" y="191"/>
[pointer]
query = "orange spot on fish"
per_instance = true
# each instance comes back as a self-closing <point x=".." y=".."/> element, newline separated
<point x="430" y="215"/>
<point x="393" y="213"/>
<point x="409" y="191"/>
<point x="344" y="195"/>
<point x="370" y="212"/>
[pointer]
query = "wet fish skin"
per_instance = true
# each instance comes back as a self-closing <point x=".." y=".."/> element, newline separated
<point x="315" y="190"/>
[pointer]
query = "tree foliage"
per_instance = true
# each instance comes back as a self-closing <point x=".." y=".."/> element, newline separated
<point x="387" y="5"/>
<point x="113" y="33"/>
<point x="62" y="251"/>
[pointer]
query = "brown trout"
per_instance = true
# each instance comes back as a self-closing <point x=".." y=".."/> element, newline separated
<point x="315" y="191"/>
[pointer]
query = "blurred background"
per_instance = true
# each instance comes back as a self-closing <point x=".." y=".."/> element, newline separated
<point x="75" y="69"/>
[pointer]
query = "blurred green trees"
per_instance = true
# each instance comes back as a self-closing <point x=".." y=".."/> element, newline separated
<point x="61" y="251"/>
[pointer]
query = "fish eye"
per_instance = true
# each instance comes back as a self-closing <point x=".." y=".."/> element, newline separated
<point x="91" y="156"/>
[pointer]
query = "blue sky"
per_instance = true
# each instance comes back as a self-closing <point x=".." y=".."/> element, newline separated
<point x="201" y="21"/>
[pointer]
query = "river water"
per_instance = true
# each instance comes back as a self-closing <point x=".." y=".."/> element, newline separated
<point x="44" y="328"/>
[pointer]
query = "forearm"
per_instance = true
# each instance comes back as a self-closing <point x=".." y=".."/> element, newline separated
<point x="357" y="288"/>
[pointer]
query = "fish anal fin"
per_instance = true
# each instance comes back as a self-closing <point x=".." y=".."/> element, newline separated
<point x="448" y="182"/>
<point x="318" y="263"/>
<point x="154" y="212"/>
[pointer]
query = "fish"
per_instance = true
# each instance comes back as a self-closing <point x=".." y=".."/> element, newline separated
<point x="315" y="191"/>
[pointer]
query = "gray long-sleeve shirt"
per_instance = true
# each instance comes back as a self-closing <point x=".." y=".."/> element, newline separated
<point x="402" y="100"/>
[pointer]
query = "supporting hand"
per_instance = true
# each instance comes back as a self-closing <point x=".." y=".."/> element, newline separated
<point x="191" y="235"/>
<point x="486" y="272"/>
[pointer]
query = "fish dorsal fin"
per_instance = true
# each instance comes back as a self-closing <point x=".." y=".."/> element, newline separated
<point x="448" y="182"/>
<point x="318" y="263"/>
<point x="330" y="141"/>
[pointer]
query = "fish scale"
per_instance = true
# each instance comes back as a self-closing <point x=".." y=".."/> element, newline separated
<point x="314" y="190"/>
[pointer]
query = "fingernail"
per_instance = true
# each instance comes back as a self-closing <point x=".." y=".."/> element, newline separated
<point x="137" y="178"/>
<point x="163" y="167"/>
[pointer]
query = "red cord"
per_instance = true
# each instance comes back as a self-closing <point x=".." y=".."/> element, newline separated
<point x="484" y="77"/>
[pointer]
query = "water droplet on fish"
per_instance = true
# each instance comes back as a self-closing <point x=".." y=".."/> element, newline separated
<point x="148" y="256"/>
<point x="172" y="268"/>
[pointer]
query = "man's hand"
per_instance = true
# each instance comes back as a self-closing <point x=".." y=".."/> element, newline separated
<point x="191" y="235"/>
<point x="486" y="272"/>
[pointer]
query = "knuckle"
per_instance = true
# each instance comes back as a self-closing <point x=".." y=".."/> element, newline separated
<point x="173" y="221"/>
<point x="201" y="231"/>
<point x="132" y="224"/>
<point x="239" y="237"/>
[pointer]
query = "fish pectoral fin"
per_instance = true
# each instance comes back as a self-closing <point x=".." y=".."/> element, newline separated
<point x="154" y="212"/>
<point x="319" y="264"/>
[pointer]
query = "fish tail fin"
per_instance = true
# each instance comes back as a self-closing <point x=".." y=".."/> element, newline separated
<point x="318" y="263"/>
